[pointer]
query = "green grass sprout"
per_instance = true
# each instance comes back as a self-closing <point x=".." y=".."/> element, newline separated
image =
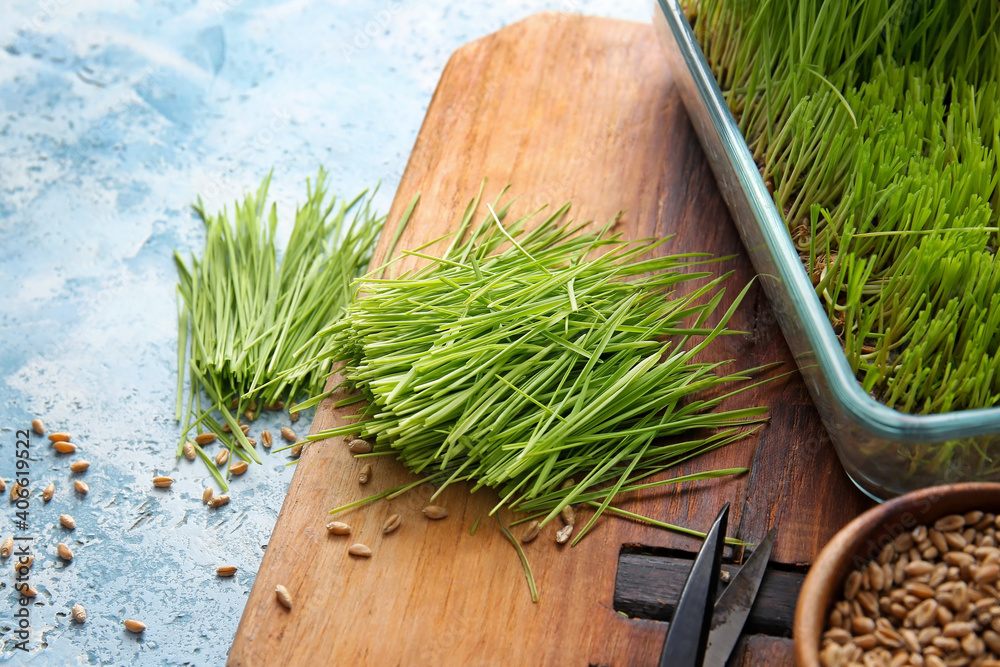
<point x="553" y="365"/>
<point x="876" y="126"/>
<point x="245" y="318"/>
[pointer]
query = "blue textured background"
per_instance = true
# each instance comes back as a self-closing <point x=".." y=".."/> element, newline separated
<point x="116" y="114"/>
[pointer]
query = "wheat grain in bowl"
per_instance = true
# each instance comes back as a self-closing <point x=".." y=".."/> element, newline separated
<point x="929" y="595"/>
<point x="910" y="581"/>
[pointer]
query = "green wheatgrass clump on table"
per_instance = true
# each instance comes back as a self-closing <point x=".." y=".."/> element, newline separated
<point x="246" y="320"/>
<point x="875" y="123"/>
<point x="556" y="366"/>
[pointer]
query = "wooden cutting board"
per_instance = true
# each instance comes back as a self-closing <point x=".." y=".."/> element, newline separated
<point x="563" y="108"/>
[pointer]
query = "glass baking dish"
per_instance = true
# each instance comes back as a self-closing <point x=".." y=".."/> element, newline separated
<point x="884" y="451"/>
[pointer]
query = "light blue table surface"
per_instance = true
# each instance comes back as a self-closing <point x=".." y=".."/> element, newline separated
<point x="116" y="114"/>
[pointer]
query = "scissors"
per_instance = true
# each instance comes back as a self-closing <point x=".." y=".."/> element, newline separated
<point x="703" y="630"/>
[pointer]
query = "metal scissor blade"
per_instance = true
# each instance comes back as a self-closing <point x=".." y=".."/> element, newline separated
<point x="734" y="604"/>
<point x="688" y="632"/>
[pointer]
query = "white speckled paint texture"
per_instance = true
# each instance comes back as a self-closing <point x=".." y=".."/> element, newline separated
<point x="114" y="116"/>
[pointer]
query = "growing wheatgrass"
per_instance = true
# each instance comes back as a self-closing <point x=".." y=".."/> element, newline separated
<point x="242" y="314"/>
<point x="876" y="125"/>
<point x="553" y="365"/>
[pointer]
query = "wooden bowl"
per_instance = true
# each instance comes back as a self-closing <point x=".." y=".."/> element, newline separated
<point x="862" y="539"/>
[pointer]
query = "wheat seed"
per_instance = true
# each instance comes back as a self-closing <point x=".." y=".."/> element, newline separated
<point x="64" y="447"/>
<point x="284" y="597"/>
<point x="366" y="474"/>
<point x="334" y="528"/>
<point x="64" y="551"/>
<point x="531" y="532"/>
<point x="133" y="625"/>
<point x="68" y="521"/>
<point x="293" y="416"/>
<point x="48" y="492"/>
<point x="59" y="437"/>
<point x="79" y="466"/>
<point x="245" y="428"/>
<point x="947" y="524"/>
<point x="226" y="570"/>
<point x="360" y="550"/>
<point x="3" y="486"/>
<point x="360" y="446"/>
<point x="265" y="438"/>
<point x="434" y="512"/>
<point x="206" y="495"/>
<point x="29" y="591"/>
<point x="563" y="534"/>
<point x="7" y="547"/>
<point x="391" y="524"/>
<point x="38" y="426"/>
<point x="239" y="467"/>
<point x="288" y="434"/>
<point x="248" y="415"/>
<point x="162" y="482"/>
<point x="205" y="438"/>
<point x="81" y="487"/>
<point x="274" y="406"/>
<point x="222" y="457"/>
<point x="296" y="451"/>
<point x="23" y="564"/>
<point x="568" y="515"/>
<point x="79" y="613"/>
<point x="219" y="501"/>
<point x="15" y="491"/>
<point x="189" y="453"/>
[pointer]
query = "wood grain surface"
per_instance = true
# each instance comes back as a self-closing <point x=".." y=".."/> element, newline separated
<point x="648" y="586"/>
<point x="562" y="108"/>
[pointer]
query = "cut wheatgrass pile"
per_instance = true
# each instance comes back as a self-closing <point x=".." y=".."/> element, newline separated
<point x="246" y="320"/>
<point x="876" y="124"/>
<point x="551" y="364"/>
